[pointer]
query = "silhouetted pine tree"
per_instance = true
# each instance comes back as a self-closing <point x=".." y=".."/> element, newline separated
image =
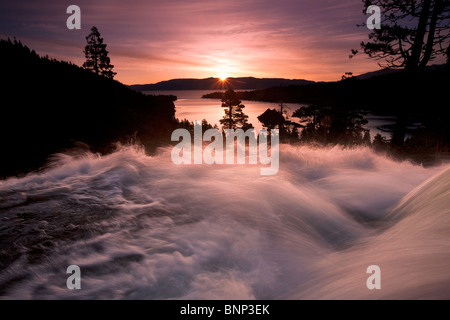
<point x="412" y="33"/>
<point x="97" y="56"/>
<point x="234" y="117"/>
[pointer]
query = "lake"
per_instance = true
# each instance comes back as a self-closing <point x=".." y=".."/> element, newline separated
<point x="191" y="106"/>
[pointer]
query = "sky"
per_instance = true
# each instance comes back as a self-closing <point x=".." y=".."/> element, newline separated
<point x="151" y="41"/>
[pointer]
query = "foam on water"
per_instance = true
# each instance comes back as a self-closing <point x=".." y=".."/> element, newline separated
<point x="141" y="227"/>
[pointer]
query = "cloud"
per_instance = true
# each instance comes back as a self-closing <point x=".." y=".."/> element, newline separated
<point x="151" y="41"/>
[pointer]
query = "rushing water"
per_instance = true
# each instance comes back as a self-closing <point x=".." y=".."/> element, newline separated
<point x="140" y="227"/>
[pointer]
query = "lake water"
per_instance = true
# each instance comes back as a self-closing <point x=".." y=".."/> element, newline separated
<point x="191" y="106"/>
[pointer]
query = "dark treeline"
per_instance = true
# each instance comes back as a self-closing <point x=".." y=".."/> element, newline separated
<point x="378" y="93"/>
<point x="336" y="111"/>
<point x="49" y="105"/>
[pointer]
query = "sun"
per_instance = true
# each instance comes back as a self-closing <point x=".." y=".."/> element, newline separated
<point x="223" y="77"/>
<point x="224" y="70"/>
<point x="223" y="73"/>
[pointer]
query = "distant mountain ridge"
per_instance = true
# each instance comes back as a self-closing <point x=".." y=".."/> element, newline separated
<point x="241" y="83"/>
<point x="247" y="83"/>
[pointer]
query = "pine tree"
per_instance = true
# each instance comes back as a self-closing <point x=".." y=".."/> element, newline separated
<point x="412" y="33"/>
<point x="96" y="55"/>
<point x="234" y="117"/>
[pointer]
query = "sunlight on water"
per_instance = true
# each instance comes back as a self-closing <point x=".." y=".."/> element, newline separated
<point x="192" y="107"/>
<point x="141" y="227"/>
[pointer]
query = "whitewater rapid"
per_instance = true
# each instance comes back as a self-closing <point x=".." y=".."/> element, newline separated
<point x="141" y="227"/>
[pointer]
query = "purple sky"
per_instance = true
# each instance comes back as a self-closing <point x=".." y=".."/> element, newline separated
<point x="151" y="41"/>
